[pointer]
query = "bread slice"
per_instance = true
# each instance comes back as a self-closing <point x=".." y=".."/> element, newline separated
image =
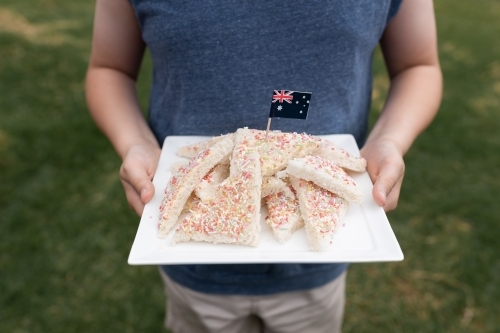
<point x="183" y="183"/>
<point x="338" y="156"/>
<point x="206" y="188"/>
<point x="273" y="185"/>
<point x="321" y="210"/>
<point x="280" y="147"/>
<point x="284" y="215"/>
<point x="324" y="174"/>
<point x="192" y="150"/>
<point x="232" y="215"/>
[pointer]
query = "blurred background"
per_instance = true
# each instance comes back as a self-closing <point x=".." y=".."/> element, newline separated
<point x="66" y="229"/>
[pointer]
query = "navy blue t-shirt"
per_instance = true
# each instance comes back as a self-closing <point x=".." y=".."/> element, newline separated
<point x="216" y="64"/>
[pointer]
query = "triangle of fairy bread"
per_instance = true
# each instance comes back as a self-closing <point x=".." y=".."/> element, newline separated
<point x="325" y="174"/>
<point x="284" y="214"/>
<point x="280" y="147"/>
<point x="185" y="180"/>
<point x="321" y="210"/>
<point x="232" y="215"/>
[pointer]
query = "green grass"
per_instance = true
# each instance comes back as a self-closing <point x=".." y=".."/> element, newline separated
<point x="66" y="229"/>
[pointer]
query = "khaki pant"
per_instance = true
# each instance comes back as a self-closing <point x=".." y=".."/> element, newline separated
<point x="318" y="310"/>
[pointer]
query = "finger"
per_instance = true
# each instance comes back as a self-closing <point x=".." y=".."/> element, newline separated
<point x="387" y="179"/>
<point x="133" y="199"/>
<point x="147" y="193"/>
<point x="135" y="175"/>
<point x="393" y="197"/>
<point x="372" y="167"/>
<point x="372" y="172"/>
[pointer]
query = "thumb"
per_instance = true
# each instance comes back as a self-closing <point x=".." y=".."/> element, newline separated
<point x="147" y="192"/>
<point x="387" y="178"/>
<point x="136" y="175"/>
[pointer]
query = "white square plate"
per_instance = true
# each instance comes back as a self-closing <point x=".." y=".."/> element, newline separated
<point x="365" y="236"/>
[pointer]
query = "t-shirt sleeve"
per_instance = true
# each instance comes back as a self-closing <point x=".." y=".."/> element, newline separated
<point x="393" y="9"/>
<point x="140" y="7"/>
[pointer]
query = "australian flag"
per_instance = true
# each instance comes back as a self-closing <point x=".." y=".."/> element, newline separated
<point x="290" y="104"/>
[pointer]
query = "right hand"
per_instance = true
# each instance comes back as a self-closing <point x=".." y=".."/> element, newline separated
<point x="136" y="172"/>
<point x="386" y="169"/>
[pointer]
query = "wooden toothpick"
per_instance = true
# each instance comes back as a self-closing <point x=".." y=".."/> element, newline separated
<point x="268" y="126"/>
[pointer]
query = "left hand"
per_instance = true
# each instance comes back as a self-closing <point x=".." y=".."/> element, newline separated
<point x="386" y="168"/>
<point x="136" y="174"/>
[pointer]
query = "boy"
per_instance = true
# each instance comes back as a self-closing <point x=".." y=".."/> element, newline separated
<point x="215" y="65"/>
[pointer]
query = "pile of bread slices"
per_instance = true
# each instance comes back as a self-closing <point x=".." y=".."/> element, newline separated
<point x="300" y="177"/>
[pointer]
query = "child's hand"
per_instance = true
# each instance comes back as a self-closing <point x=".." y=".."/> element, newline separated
<point x="137" y="171"/>
<point x="386" y="168"/>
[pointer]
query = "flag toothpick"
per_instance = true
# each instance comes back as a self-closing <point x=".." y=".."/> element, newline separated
<point x="288" y="104"/>
<point x="268" y="126"/>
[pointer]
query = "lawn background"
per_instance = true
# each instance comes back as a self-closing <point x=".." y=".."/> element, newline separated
<point x="66" y="229"/>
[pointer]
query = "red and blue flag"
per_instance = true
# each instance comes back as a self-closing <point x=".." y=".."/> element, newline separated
<point x="290" y="104"/>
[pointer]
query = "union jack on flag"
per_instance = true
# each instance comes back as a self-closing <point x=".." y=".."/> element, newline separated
<point x="291" y="104"/>
<point x="282" y="95"/>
